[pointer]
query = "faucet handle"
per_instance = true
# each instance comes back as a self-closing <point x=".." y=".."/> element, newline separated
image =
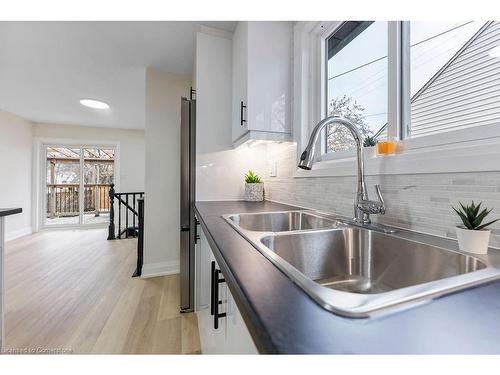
<point x="373" y="207"/>
<point x="379" y="194"/>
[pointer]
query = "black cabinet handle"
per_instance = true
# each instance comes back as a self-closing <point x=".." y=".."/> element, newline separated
<point x="242" y="108"/>
<point x="215" y="280"/>
<point x="212" y="288"/>
<point x="217" y="314"/>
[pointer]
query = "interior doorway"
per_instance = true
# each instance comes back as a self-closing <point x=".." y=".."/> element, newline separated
<point x="77" y="182"/>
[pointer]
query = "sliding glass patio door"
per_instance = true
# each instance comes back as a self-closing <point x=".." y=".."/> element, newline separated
<point x="77" y="183"/>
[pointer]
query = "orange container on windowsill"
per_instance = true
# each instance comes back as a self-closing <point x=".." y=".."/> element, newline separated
<point x="388" y="147"/>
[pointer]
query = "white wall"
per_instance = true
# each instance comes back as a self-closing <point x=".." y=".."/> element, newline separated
<point x="219" y="167"/>
<point x="15" y="172"/>
<point x="162" y="208"/>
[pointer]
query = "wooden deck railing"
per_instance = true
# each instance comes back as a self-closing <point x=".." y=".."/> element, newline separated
<point x="63" y="199"/>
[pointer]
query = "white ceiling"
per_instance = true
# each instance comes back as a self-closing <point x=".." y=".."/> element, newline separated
<point x="46" y="67"/>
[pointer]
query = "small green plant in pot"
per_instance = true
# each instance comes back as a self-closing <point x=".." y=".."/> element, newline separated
<point x="254" y="187"/>
<point x="473" y="236"/>
<point x="369" y="144"/>
<point x="369" y="141"/>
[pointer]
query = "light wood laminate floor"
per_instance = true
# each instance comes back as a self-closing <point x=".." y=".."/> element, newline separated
<point x="73" y="290"/>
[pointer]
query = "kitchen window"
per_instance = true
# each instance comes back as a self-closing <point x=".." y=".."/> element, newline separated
<point x="356" y="81"/>
<point x="422" y="83"/>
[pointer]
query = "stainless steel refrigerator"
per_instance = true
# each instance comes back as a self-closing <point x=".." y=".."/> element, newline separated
<point x="188" y="220"/>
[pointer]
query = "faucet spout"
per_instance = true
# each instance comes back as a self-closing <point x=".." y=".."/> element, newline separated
<point x="307" y="156"/>
<point x="306" y="161"/>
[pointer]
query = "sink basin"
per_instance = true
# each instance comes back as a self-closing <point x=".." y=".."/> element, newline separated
<point x="359" y="272"/>
<point x="362" y="261"/>
<point x="281" y="221"/>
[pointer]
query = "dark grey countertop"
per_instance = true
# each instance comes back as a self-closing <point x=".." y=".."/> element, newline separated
<point x="283" y="319"/>
<point x="10" y="211"/>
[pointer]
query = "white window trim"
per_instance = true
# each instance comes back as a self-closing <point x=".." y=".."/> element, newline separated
<point x="475" y="149"/>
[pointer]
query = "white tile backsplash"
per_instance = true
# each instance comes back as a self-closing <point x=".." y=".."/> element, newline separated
<point x="420" y="202"/>
<point x="220" y="174"/>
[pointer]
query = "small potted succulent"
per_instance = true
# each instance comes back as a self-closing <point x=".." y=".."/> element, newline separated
<point x="254" y="187"/>
<point x="369" y="144"/>
<point x="473" y="236"/>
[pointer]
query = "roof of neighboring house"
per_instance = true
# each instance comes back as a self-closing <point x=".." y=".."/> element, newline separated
<point x="450" y="61"/>
<point x="463" y="92"/>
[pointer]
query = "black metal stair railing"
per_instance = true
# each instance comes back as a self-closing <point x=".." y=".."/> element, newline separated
<point x="123" y="214"/>
<point x="140" y="239"/>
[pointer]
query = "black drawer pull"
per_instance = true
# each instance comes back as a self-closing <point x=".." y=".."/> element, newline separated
<point x="216" y="304"/>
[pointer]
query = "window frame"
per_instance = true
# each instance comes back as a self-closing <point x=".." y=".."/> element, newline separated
<point x="391" y="126"/>
<point x="394" y="85"/>
<point x="465" y="135"/>
<point x="81" y="184"/>
<point x="310" y="40"/>
<point x="39" y="177"/>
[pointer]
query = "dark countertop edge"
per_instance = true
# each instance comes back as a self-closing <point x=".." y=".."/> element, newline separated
<point x="10" y="211"/>
<point x="261" y="338"/>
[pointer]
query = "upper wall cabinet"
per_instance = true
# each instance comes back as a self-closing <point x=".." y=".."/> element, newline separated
<point x="262" y="57"/>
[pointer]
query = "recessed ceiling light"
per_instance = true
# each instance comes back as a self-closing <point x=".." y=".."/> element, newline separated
<point x="495" y="52"/>
<point x="92" y="103"/>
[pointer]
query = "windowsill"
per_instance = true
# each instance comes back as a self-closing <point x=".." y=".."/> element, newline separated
<point x="481" y="155"/>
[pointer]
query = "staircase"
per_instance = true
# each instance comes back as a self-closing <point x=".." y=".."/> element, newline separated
<point x="126" y="220"/>
<point x="126" y="206"/>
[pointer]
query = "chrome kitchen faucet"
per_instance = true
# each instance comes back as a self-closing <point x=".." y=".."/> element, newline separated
<point x="363" y="206"/>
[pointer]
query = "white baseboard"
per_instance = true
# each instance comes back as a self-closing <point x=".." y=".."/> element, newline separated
<point x="13" y="234"/>
<point x="160" y="269"/>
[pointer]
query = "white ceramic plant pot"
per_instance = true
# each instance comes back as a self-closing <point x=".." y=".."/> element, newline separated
<point x="254" y="192"/>
<point x="473" y="241"/>
<point x="369" y="152"/>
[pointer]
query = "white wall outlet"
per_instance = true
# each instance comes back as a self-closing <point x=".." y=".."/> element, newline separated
<point x="273" y="168"/>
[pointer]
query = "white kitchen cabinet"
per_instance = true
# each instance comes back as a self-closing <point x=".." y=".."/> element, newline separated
<point x="237" y="335"/>
<point x="240" y="74"/>
<point x="262" y="57"/>
<point x="231" y="335"/>
<point x="212" y="340"/>
<point x="202" y="257"/>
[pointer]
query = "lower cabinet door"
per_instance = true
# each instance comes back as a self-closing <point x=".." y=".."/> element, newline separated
<point x="213" y="340"/>
<point x="231" y="335"/>
<point x="238" y="337"/>
<point x="202" y="271"/>
<point x="220" y="308"/>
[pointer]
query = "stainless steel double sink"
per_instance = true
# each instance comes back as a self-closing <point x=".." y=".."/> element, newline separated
<point x="359" y="272"/>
